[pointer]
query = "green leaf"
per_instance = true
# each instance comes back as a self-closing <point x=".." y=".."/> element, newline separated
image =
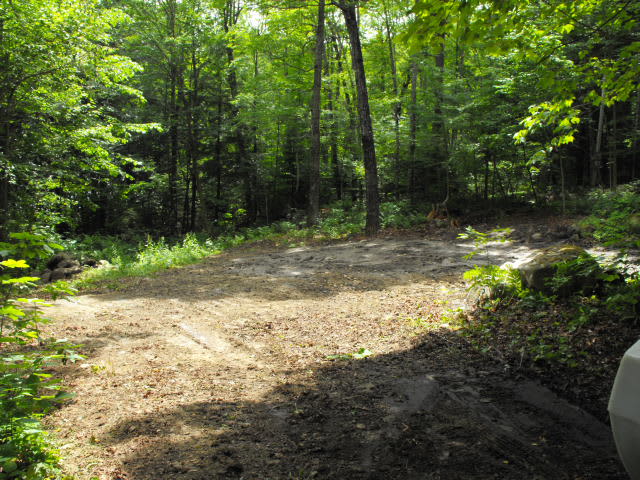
<point x="362" y="353"/>
<point x="64" y="396"/>
<point x="11" y="312"/>
<point x="21" y="280"/>
<point x="14" y="263"/>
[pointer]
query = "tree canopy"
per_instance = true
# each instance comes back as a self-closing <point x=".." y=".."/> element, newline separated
<point x="173" y="116"/>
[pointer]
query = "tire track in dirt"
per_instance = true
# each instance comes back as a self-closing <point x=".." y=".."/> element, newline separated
<point x="220" y="370"/>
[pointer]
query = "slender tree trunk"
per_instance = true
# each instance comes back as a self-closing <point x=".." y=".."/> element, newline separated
<point x="562" y="185"/>
<point x="486" y="177"/>
<point x="253" y="175"/>
<point x="188" y="146"/>
<point x="185" y="204"/>
<point x="596" y="159"/>
<point x="439" y="124"/>
<point x="397" y="107"/>
<point x="313" y="208"/>
<point x="232" y="12"/>
<point x="5" y="155"/>
<point x="217" y="151"/>
<point x="173" y="152"/>
<point x="276" y="165"/>
<point x="4" y="182"/>
<point x="368" y="143"/>
<point x="494" y="177"/>
<point x="4" y="152"/>
<point x="613" y="154"/>
<point x="194" y="140"/>
<point x="413" y="120"/>
<point x="333" y="135"/>
<point x="172" y="167"/>
<point x="636" y="125"/>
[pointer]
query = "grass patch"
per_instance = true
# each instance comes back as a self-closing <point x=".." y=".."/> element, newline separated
<point x="148" y="256"/>
<point x="152" y="256"/>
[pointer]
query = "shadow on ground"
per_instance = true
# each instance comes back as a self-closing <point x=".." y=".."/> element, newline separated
<point x="435" y="411"/>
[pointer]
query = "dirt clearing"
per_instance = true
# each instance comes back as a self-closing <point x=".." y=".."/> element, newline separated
<point x="223" y="370"/>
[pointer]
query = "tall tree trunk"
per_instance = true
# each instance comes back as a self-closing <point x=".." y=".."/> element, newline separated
<point x="172" y="167"/>
<point x="636" y="125"/>
<point x="397" y="107"/>
<point x="313" y="208"/>
<point x="217" y="154"/>
<point x="4" y="180"/>
<point x="5" y="155"/>
<point x="439" y="125"/>
<point x="194" y="138"/>
<point x="486" y="177"/>
<point x="231" y="15"/>
<point x="596" y="159"/>
<point x="413" y="121"/>
<point x="4" y="152"/>
<point x="333" y="134"/>
<point x="188" y="146"/>
<point x="368" y="144"/>
<point x="613" y="154"/>
<point x="562" y="185"/>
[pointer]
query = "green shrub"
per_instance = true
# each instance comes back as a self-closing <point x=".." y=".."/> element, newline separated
<point x="495" y="283"/>
<point x="27" y="390"/>
<point x="615" y="216"/>
<point x="400" y="215"/>
<point x="340" y="223"/>
<point x="577" y="276"/>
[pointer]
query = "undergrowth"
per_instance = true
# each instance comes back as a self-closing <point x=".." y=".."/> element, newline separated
<point x="27" y="388"/>
<point x="578" y="328"/>
<point x="147" y="256"/>
<point x="614" y="217"/>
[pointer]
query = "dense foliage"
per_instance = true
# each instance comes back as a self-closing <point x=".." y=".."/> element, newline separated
<point x="27" y="388"/>
<point x="235" y="120"/>
<point x="137" y="116"/>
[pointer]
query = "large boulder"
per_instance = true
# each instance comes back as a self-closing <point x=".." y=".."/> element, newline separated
<point x="579" y="274"/>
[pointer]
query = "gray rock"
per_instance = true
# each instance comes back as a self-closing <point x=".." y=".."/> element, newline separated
<point x="543" y="266"/>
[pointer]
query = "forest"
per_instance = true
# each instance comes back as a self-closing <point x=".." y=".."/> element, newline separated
<point x="369" y="239"/>
<point x="172" y="117"/>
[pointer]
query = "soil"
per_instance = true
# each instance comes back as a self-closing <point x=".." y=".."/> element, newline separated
<point x="243" y="367"/>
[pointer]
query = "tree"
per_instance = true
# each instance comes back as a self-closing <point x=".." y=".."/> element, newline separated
<point x="59" y="71"/>
<point x="314" y="168"/>
<point x="368" y="142"/>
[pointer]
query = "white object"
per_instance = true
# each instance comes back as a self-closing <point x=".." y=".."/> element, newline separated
<point x="624" y="411"/>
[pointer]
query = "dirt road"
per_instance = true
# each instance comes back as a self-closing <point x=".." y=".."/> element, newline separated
<point x="244" y="367"/>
